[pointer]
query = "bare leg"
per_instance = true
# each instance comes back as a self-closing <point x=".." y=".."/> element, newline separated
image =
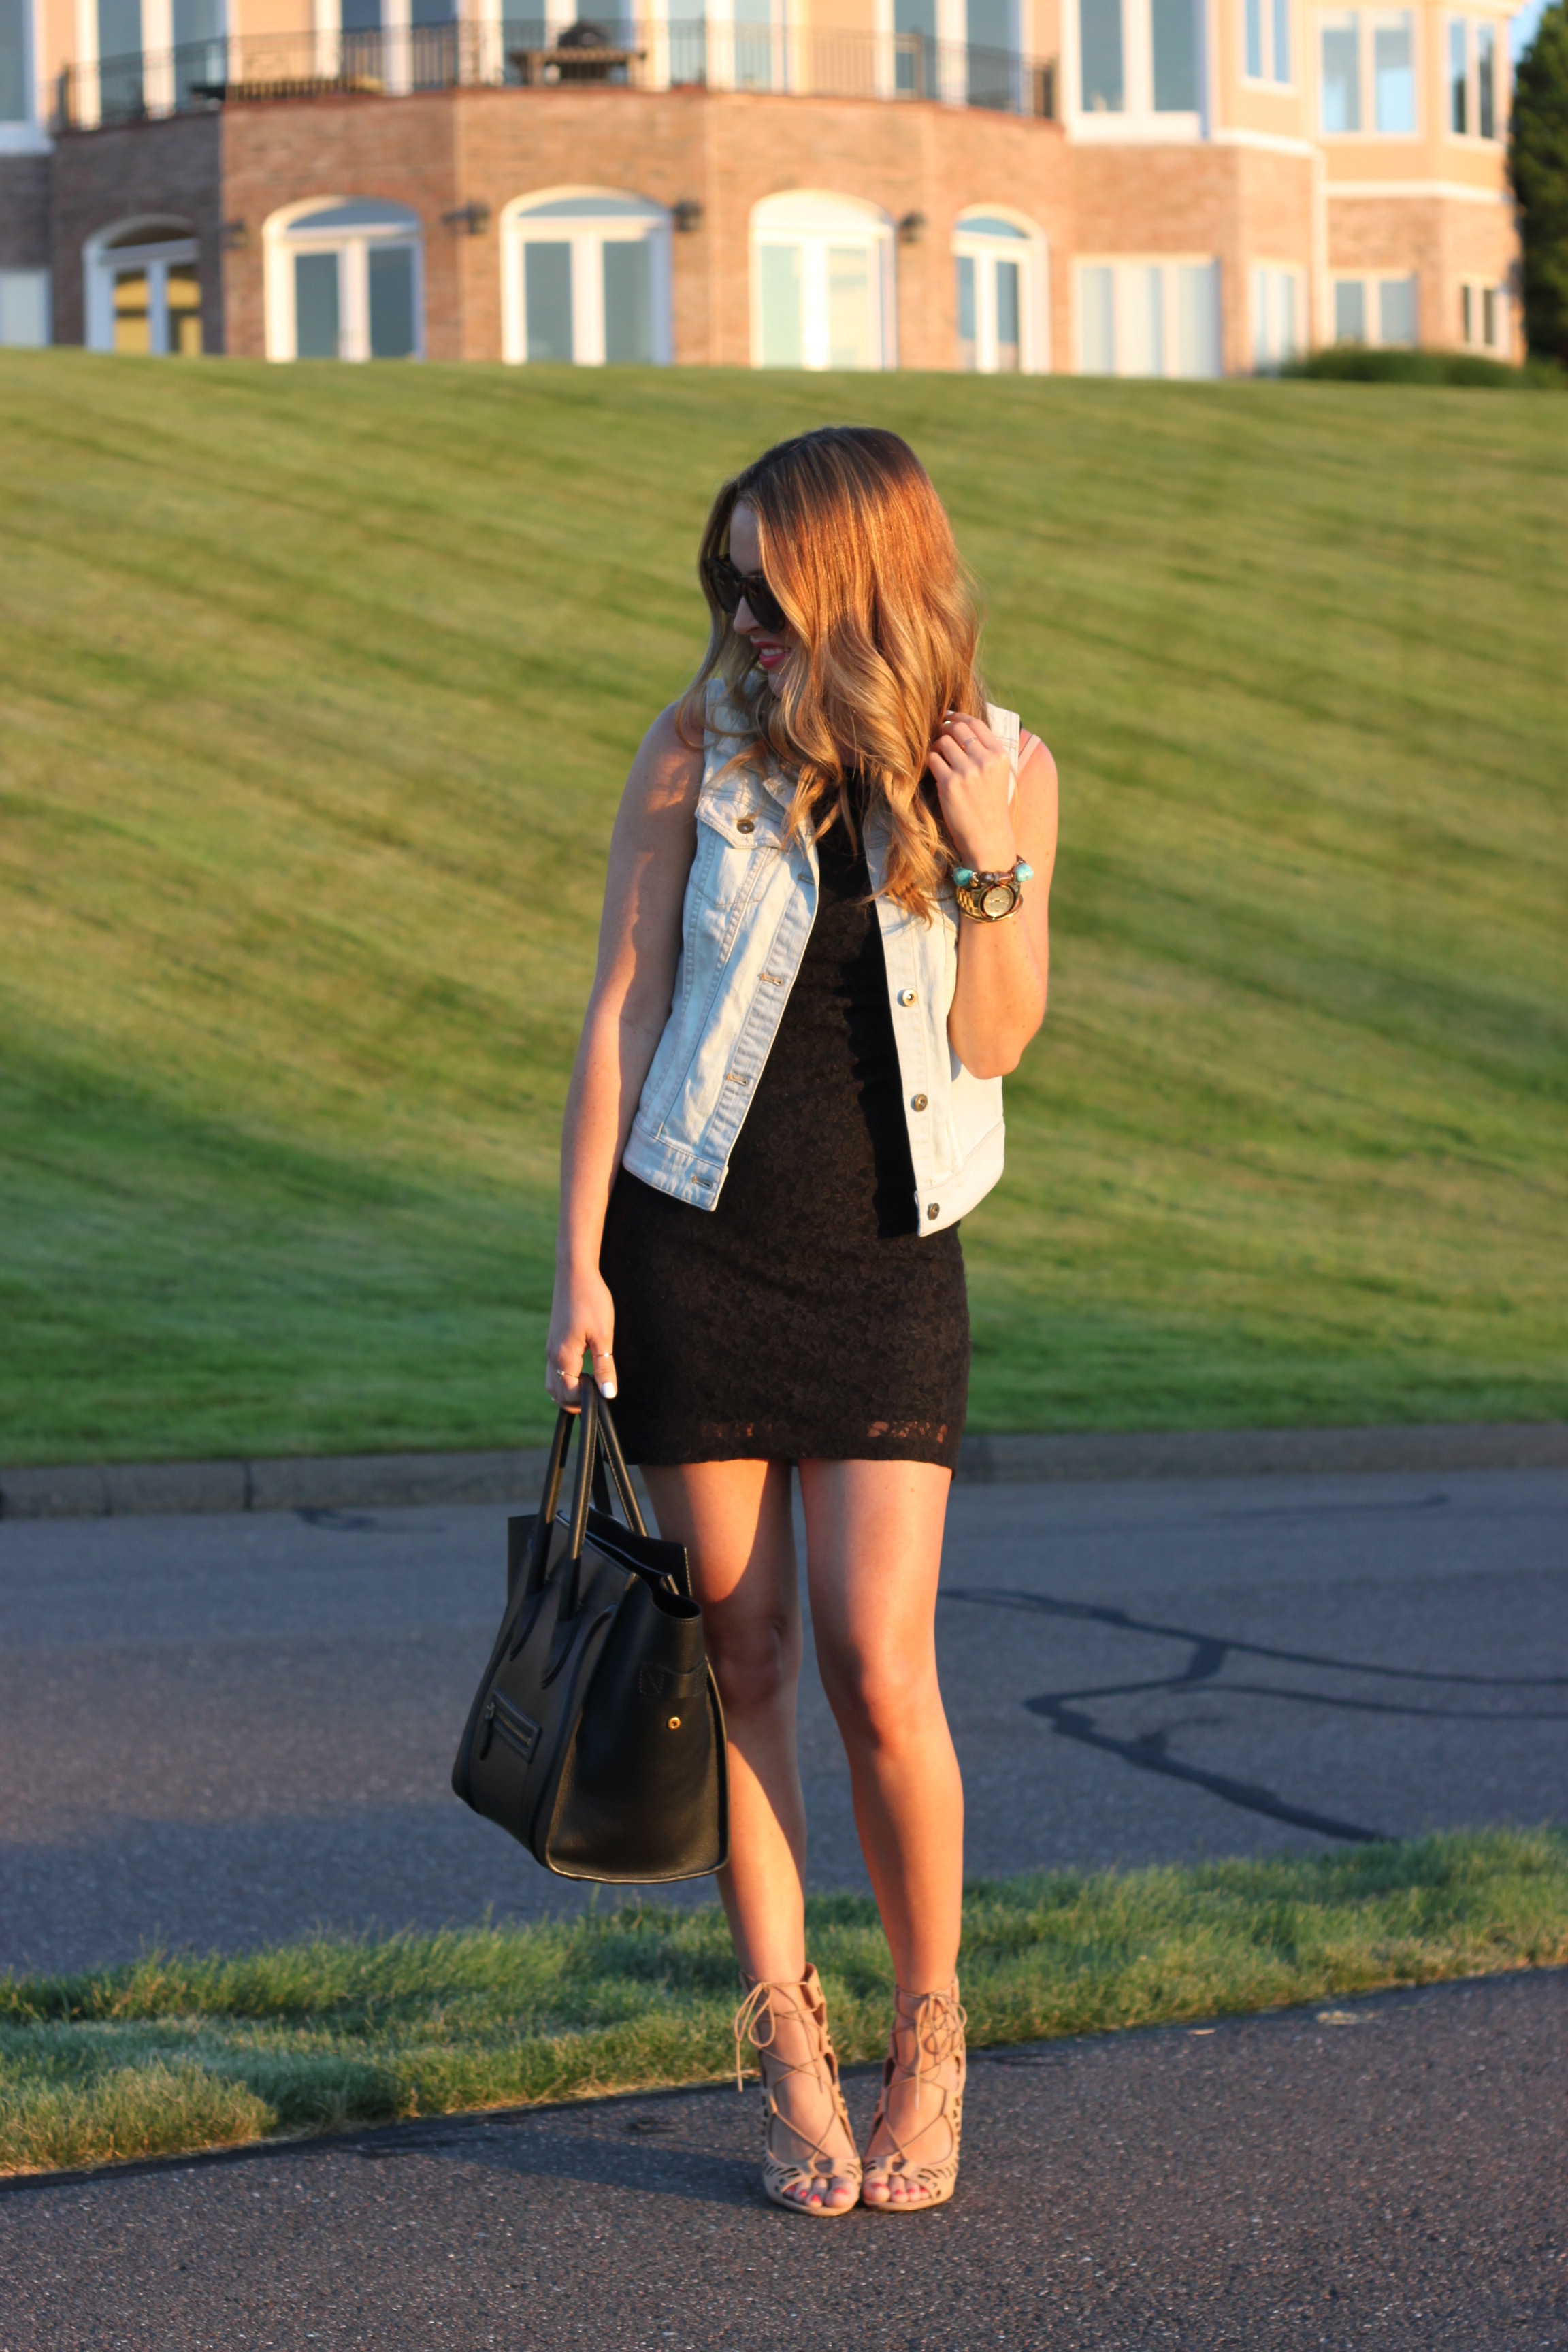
<point x="735" y="1520"/>
<point x="873" y="1552"/>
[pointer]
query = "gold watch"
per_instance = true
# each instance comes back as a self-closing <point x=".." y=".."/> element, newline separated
<point x="991" y="898"/>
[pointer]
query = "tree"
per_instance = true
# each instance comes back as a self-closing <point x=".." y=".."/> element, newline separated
<point x="1538" y="166"/>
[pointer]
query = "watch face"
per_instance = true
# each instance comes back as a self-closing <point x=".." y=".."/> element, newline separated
<point x="999" y="901"/>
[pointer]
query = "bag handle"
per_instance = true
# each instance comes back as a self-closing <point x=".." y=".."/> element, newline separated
<point x="598" y="1447"/>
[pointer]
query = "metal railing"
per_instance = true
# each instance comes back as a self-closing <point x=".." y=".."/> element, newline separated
<point x="689" y="53"/>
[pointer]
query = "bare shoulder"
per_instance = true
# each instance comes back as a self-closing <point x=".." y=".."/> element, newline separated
<point x="665" y="776"/>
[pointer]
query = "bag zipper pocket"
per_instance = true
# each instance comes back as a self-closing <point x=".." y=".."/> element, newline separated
<point x="501" y="1720"/>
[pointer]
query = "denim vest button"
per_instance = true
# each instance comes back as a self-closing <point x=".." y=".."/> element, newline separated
<point x="746" y="825"/>
<point x="917" y="1102"/>
<point x="934" y="1210"/>
<point x="906" y="996"/>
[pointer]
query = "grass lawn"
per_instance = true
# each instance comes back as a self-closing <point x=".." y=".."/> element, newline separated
<point x="185" y="2053"/>
<point x="318" y="690"/>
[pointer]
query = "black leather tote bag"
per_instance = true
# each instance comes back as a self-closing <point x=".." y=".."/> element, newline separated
<point x="596" y="1737"/>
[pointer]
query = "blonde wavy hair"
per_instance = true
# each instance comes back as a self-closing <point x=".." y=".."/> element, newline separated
<point x="860" y="555"/>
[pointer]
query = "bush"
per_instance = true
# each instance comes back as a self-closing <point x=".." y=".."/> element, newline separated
<point x="1354" y="363"/>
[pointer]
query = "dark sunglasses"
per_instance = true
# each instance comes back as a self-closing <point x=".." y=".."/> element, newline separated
<point x="730" y="586"/>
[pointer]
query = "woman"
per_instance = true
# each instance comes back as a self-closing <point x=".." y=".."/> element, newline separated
<point x="824" y="941"/>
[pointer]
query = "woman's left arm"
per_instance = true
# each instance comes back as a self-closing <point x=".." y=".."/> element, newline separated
<point x="1003" y="967"/>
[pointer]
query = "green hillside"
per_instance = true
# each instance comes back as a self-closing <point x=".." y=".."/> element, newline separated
<point x="318" y="689"/>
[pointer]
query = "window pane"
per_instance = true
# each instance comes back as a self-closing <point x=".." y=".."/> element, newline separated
<point x="1197" y="319"/>
<point x="1467" y="315"/>
<point x="196" y="21"/>
<point x="1281" y="40"/>
<point x="914" y="32"/>
<point x="1140" y="345"/>
<point x="1397" y="310"/>
<point x="183" y="293"/>
<point x="1394" y="73"/>
<point x="1262" y="335"/>
<point x="754" y="44"/>
<point x="628" y="302"/>
<point x="23" y="307"/>
<point x="1253" y="31"/>
<point x="132" y="323"/>
<point x="1486" y="81"/>
<point x="966" y="352"/>
<point x="1008" y="352"/>
<point x="1175" y="33"/>
<point x="989" y="28"/>
<point x="779" y="276"/>
<point x="1287" y="344"/>
<point x="1458" y="79"/>
<point x="316" y="306"/>
<point x="1097" y="321"/>
<point x="547" y="300"/>
<point x="1342" y="73"/>
<point x="119" y="47"/>
<point x="13" y="61"/>
<point x="848" y="306"/>
<point x="1489" y="317"/>
<point x="1099" y="24"/>
<point x="1350" y="311"/>
<point x="392" y="335"/>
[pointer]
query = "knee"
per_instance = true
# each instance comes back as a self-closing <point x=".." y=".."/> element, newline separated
<point x="880" y="1702"/>
<point x="756" y="1663"/>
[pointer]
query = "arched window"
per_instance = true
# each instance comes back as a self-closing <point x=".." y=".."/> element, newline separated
<point x="344" y="281"/>
<point x="585" y="278"/>
<point x="1001" y="270"/>
<point x="822" y="283"/>
<point x="143" y="289"/>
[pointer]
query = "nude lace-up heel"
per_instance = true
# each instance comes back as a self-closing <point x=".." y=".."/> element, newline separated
<point x="788" y="2181"/>
<point x="927" y="2155"/>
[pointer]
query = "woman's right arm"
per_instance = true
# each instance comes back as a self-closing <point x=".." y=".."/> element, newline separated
<point x="651" y="851"/>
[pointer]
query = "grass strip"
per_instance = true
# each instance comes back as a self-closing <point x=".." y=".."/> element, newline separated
<point x="174" y="2053"/>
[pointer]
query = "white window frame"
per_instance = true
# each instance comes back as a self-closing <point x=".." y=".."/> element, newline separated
<point x="1032" y="254"/>
<point x="1372" y="280"/>
<point x="1136" y="118"/>
<point x="1474" y="311"/>
<point x="117" y="248"/>
<point x="1470" y="26"/>
<point x="1366" y="22"/>
<point x="587" y="236"/>
<point x="352" y="246"/>
<point x="812" y="220"/>
<point x="1170" y="311"/>
<point x="1266" y="345"/>
<point x="1270" y="78"/>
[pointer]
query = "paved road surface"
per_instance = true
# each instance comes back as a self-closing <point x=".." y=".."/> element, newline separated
<point x="219" y="1731"/>
<point x="1398" y="2184"/>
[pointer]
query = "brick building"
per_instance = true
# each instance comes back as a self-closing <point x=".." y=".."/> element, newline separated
<point x="1180" y="187"/>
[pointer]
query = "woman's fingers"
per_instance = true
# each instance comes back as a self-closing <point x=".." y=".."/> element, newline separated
<point x="563" y="1378"/>
<point x="604" y="1369"/>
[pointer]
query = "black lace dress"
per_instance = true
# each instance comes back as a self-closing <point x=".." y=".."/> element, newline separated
<point x="804" y="1318"/>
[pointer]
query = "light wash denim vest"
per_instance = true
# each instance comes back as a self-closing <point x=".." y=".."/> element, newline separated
<point x="750" y="904"/>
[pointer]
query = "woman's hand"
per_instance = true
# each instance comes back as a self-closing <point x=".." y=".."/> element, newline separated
<point x="973" y="774"/>
<point x="581" y="1316"/>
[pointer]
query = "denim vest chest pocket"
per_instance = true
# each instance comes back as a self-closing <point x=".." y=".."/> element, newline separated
<point x="739" y="830"/>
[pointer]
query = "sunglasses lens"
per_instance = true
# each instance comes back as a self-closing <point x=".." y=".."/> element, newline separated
<point x="727" y="585"/>
<point x="764" y="603"/>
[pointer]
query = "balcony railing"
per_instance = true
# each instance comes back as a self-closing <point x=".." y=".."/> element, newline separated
<point x="689" y="54"/>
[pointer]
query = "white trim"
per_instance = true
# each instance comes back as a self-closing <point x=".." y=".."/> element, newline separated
<point x="24" y="137"/>
<point x="1448" y="191"/>
<point x="1121" y="265"/>
<point x="1267" y="142"/>
<point x="114" y="249"/>
<point x="1129" y="129"/>
<point x="280" y="246"/>
<point x="811" y="219"/>
<point x="587" y="235"/>
<point x="1033" y="253"/>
